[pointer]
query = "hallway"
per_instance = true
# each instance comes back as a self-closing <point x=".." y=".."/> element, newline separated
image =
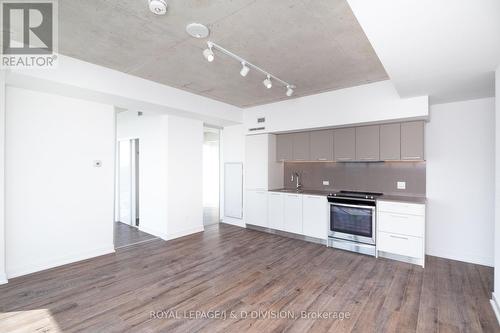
<point x="126" y="235"/>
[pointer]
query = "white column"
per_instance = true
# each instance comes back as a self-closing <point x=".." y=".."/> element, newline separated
<point x="496" y="294"/>
<point x="3" y="275"/>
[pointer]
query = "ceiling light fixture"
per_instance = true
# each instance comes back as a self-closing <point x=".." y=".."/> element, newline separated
<point x="209" y="54"/>
<point x="245" y="67"/>
<point x="267" y="82"/>
<point x="158" y="7"/>
<point x="197" y="30"/>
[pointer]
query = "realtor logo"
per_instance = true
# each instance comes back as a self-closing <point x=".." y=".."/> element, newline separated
<point x="29" y="33"/>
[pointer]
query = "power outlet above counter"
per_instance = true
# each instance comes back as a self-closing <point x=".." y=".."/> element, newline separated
<point x="374" y="143"/>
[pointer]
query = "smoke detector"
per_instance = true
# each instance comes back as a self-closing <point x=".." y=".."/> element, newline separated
<point x="197" y="30"/>
<point x="158" y="7"/>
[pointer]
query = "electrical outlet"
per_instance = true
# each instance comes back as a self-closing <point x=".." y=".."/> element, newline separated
<point x="401" y="185"/>
<point x="326" y="182"/>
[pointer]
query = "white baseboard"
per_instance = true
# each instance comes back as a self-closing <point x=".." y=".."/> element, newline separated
<point x="55" y="262"/>
<point x="162" y="235"/>
<point x="233" y="221"/>
<point x="465" y="257"/>
<point x="3" y="278"/>
<point x="185" y="232"/>
<point x="496" y="306"/>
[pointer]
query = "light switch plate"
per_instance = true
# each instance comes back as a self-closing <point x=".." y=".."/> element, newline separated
<point x="401" y="185"/>
<point x="326" y="182"/>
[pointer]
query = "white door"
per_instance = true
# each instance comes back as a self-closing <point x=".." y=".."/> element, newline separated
<point x="256" y="208"/>
<point x="293" y="213"/>
<point x="275" y="210"/>
<point x="315" y="216"/>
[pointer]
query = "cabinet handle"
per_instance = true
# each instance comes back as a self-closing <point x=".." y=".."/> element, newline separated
<point x="344" y="158"/>
<point x="368" y="158"/>
<point x="398" y="237"/>
<point x="412" y="157"/>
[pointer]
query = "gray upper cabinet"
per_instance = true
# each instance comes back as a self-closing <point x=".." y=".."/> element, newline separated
<point x="344" y="144"/>
<point x="412" y="140"/>
<point x="390" y="142"/>
<point x="284" y="147"/>
<point x="301" y="146"/>
<point x="321" y="145"/>
<point x="368" y="143"/>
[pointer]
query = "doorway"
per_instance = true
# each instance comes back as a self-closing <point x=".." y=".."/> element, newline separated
<point x="211" y="170"/>
<point x="128" y="182"/>
<point x="127" y="218"/>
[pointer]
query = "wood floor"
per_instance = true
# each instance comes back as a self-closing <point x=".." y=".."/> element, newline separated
<point x="253" y="274"/>
<point x="126" y="235"/>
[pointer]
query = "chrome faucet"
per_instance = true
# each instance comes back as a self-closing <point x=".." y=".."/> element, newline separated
<point x="296" y="177"/>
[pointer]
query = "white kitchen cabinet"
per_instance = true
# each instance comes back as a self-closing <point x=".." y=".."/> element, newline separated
<point x="262" y="172"/>
<point x="292" y="213"/>
<point x="256" y="208"/>
<point x="314" y="216"/>
<point x="275" y="210"/>
<point x="401" y="231"/>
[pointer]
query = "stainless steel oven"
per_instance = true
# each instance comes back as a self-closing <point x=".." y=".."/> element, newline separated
<point x="353" y="221"/>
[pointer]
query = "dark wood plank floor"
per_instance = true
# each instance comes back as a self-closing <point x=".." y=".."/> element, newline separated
<point x="232" y="269"/>
<point x="127" y="235"/>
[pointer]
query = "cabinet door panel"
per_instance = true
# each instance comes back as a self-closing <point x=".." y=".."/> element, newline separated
<point x="275" y="210"/>
<point x="315" y="216"/>
<point x="368" y="143"/>
<point x="293" y="213"/>
<point x="256" y="208"/>
<point x="284" y="147"/>
<point x="412" y="140"/>
<point x="344" y="143"/>
<point x="301" y="146"/>
<point x="390" y="142"/>
<point x="321" y="145"/>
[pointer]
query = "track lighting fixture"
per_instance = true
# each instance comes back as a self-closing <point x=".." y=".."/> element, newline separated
<point x="209" y="54"/>
<point x="267" y="82"/>
<point x="244" y="69"/>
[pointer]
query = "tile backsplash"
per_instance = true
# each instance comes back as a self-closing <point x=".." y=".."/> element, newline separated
<point x="373" y="177"/>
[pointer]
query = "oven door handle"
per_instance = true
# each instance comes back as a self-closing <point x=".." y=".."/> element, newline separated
<point x="352" y="206"/>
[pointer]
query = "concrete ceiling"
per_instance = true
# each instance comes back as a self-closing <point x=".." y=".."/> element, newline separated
<point x="317" y="45"/>
<point x="446" y="49"/>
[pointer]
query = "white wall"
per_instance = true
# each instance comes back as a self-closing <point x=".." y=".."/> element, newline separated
<point x="497" y="195"/>
<point x="170" y="172"/>
<point x="59" y="207"/>
<point x="185" y="176"/>
<point x="233" y="151"/>
<point x="368" y="103"/>
<point x="460" y="187"/>
<point x="153" y="167"/>
<point x="3" y="275"/>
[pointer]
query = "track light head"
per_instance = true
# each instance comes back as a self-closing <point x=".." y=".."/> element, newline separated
<point x="209" y="54"/>
<point x="244" y="69"/>
<point x="289" y="90"/>
<point x="267" y="82"/>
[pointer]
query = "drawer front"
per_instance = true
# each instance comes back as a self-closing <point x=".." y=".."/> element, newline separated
<point x="398" y="244"/>
<point x="401" y="208"/>
<point x="403" y="224"/>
